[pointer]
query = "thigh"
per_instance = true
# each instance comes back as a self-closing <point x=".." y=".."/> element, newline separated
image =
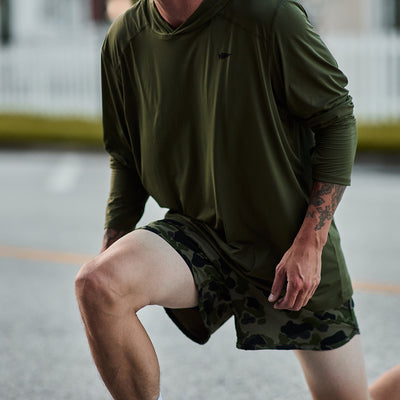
<point x="142" y="265"/>
<point x="207" y="268"/>
<point x="336" y="374"/>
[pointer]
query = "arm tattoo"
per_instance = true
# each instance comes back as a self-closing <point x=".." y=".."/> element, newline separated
<point x="317" y="198"/>
<point x="111" y="236"/>
<point x="310" y="214"/>
<point x="325" y="199"/>
<point x="325" y="214"/>
<point x="337" y="196"/>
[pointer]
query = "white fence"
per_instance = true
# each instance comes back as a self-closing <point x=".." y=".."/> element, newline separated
<point x="65" y="79"/>
<point x="61" y="79"/>
<point x="372" y="64"/>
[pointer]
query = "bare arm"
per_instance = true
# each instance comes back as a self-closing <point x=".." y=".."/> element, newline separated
<point x="111" y="236"/>
<point x="300" y="267"/>
<point x="324" y="199"/>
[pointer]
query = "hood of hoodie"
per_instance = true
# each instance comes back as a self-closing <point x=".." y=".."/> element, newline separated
<point x="203" y="14"/>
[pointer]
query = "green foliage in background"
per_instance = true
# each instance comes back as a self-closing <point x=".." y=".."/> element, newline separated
<point x="379" y="137"/>
<point x="29" y="129"/>
<point x="26" y="129"/>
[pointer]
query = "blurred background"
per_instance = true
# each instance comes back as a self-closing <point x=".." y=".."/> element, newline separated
<point x="364" y="36"/>
<point x="54" y="180"/>
<point x="50" y="68"/>
<point x="49" y="64"/>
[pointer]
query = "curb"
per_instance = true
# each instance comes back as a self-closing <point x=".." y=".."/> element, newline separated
<point x="20" y="129"/>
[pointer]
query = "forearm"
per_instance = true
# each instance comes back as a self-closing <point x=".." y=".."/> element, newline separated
<point x="300" y="267"/>
<point x="324" y="199"/>
<point x="126" y="200"/>
<point x="125" y="204"/>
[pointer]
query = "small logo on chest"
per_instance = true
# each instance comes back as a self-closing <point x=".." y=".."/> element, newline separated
<point x="223" y="55"/>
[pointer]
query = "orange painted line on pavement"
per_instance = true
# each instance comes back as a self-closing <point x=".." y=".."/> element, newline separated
<point x="72" y="258"/>
<point x="43" y="255"/>
<point x="376" y="287"/>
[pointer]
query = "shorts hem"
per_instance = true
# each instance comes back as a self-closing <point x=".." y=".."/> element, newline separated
<point x="241" y="346"/>
<point x="197" y="339"/>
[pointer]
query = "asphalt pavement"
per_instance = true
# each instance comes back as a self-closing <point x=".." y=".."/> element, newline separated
<point x="51" y="221"/>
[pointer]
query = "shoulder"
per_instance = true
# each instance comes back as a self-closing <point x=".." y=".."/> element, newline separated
<point x="259" y="16"/>
<point x="124" y="29"/>
<point x="291" y="19"/>
<point x="291" y="14"/>
<point x="261" y="10"/>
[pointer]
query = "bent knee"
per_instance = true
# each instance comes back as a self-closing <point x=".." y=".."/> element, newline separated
<point x="100" y="285"/>
<point x="91" y="286"/>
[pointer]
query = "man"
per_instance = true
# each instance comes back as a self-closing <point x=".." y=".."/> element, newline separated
<point x="234" y="116"/>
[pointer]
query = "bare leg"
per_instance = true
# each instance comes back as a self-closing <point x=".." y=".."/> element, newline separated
<point x="387" y="387"/>
<point x="138" y="270"/>
<point x="336" y="374"/>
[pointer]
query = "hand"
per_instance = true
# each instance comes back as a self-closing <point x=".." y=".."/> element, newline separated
<point x="110" y="237"/>
<point x="300" y="269"/>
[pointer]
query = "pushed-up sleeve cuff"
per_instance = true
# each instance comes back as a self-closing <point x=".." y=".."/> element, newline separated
<point x="126" y="200"/>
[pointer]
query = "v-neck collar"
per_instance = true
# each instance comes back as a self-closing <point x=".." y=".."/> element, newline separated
<point x="206" y="10"/>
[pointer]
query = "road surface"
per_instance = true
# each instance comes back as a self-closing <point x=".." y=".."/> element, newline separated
<point x="52" y="206"/>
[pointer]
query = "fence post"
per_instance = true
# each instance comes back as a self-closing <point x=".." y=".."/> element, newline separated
<point x="5" y="21"/>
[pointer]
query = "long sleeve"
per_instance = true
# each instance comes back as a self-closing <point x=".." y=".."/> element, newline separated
<point x="310" y="85"/>
<point x="127" y="196"/>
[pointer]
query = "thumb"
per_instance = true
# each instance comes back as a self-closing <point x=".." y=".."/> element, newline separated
<point x="277" y="286"/>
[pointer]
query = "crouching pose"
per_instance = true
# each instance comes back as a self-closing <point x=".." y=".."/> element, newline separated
<point x="233" y="115"/>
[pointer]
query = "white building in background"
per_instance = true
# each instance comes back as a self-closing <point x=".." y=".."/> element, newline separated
<point x="52" y="20"/>
<point x="69" y="20"/>
<point x="47" y="19"/>
<point x="354" y="16"/>
<point x="364" y="36"/>
<point x="52" y="64"/>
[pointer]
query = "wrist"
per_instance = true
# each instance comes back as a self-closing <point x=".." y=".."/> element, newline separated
<point x="111" y="236"/>
<point x="309" y="237"/>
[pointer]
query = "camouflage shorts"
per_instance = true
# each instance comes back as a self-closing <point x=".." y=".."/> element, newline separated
<point x="223" y="294"/>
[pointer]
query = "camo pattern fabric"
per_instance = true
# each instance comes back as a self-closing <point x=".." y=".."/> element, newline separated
<point x="223" y="294"/>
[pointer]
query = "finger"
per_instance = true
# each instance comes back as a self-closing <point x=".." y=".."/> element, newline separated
<point x="301" y="301"/>
<point x="277" y="286"/>
<point x="308" y="297"/>
<point x="287" y="302"/>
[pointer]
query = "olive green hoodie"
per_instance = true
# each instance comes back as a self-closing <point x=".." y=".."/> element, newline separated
<point x="227" y="120"/>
